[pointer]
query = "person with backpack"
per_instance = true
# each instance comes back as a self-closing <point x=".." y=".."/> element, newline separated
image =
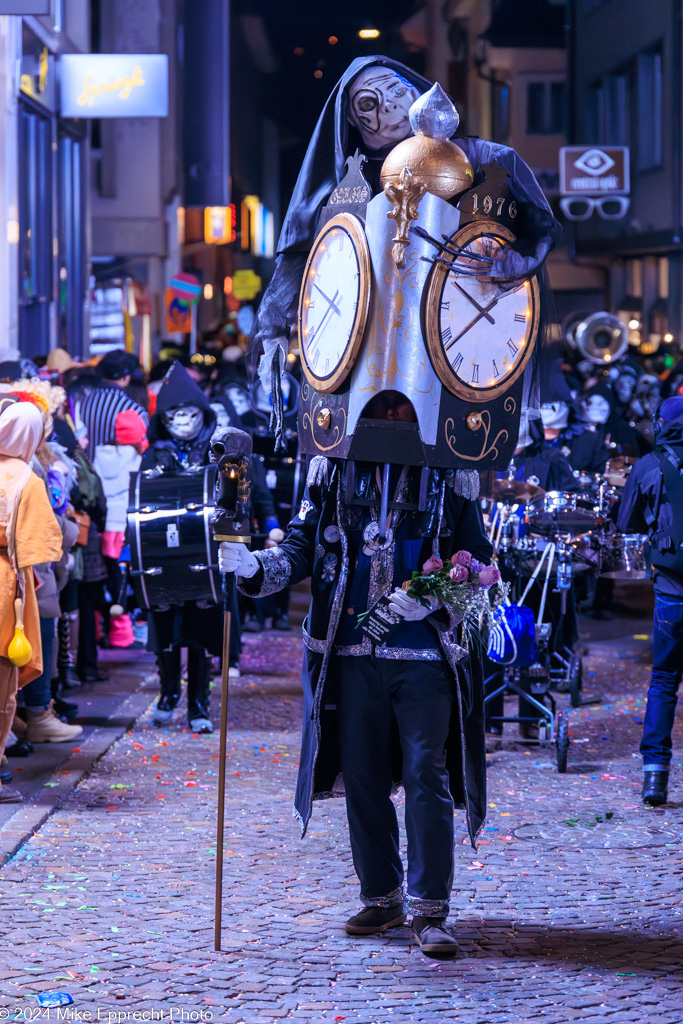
<point x="653" y="504"/>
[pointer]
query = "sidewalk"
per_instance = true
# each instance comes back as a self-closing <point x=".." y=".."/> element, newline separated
<point x="570" y="910"/>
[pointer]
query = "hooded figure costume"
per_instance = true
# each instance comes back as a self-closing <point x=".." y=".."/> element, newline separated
<point x="652" y="504"/>
<point x="582" y="445"/>
<point x="408" y="707"/>
<point x="333" y="141"/>
<point x="200" y="629"/>
<point x="29" y="535"/>
<point x="616" y="432"/>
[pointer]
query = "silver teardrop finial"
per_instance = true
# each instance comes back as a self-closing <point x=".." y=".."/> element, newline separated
<point x="434" y="114"/>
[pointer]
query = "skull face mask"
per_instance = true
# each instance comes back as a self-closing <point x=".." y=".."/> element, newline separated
<point x="380" y="101"/>
<point x="555" y="415"/>
<point x="183" y="423"/>
<point x="222" y="417"/>
<point x="597" y="409"/>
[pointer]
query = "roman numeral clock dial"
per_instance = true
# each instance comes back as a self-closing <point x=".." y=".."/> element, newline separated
<point x="480" y="334"/>
<point x="334" y="302"/>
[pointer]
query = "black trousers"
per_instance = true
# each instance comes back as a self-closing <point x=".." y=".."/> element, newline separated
<point x="377" y="700"/>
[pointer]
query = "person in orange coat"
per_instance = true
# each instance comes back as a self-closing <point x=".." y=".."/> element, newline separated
<point x="29" y="534"/>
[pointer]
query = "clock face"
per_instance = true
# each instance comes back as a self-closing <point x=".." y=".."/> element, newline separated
<point x="480" y="334"/>
<point x="334" y="300"/>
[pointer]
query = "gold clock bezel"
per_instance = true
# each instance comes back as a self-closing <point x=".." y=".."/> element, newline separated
<point x="354" y="228"/>
<point x="434" y="291"/>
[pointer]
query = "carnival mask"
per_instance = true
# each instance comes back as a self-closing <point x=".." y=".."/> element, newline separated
<point x="555" y="415"/>
<point x="222" y="415"/>
<point x="597" y="409"/>
<point x="380" y="100"/>
<point x="624" y="387"/>
<point x="184" y="422"/>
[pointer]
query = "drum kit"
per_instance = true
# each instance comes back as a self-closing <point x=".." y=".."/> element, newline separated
<point x="551" y="537"/>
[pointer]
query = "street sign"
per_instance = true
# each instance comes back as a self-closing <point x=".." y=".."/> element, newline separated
<point x="178" y="314"/>
<point x="594" y="170"/>
<point x="187" y="287"/>
<point x="114" y="84"/>
<point x="246" y="284"/>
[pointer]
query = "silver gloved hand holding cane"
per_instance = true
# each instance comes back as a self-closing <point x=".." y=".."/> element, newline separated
<point x="231" y="522"/>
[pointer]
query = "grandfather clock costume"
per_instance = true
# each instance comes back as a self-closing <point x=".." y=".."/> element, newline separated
<point x="411" y="263"/>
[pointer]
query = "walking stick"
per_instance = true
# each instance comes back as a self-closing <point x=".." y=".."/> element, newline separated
<point x="228" y="590"/>
<point x="231" y="449"/>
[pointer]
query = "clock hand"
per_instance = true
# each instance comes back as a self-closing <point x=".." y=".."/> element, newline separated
<point x="330" y="301"/>
<point x="478" y="317"/>
<point x="484" y="312"/>
<point x="319" y="328"/>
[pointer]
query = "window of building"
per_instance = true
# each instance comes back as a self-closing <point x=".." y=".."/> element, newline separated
<point x="649" y="108"/>
<point x="545" y="108"/>
<point x="501" y="112"/>
<point x="35" y="219"/>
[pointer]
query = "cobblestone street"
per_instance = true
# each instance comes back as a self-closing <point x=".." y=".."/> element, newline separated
<point x="571" y="908"/>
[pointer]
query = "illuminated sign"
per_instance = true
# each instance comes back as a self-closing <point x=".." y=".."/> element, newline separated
<point x="246" y="285"/>
<point x="257" y="228"/>
<point x="114" y="85"/>
<point x="219" y="225"/>
<point x="594" y="170"/>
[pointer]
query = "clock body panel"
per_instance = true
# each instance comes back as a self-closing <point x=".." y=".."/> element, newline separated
<point x="479" y="335"/>
<point x="334" y="302"/>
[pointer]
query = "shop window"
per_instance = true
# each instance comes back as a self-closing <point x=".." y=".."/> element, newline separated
<point x="35" y="236"/>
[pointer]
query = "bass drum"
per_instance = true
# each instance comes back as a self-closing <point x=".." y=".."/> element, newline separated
<point x="174" y="557"/>
<point x="625" y="557"/>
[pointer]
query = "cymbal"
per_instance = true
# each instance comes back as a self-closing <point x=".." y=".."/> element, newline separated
<point x="515" y="492"/>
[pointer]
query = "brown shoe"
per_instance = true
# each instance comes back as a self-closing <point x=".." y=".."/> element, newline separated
<point x="374" y="920"/>
<point x="434" y="939"/>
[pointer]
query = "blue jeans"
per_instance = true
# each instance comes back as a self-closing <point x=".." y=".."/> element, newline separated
<point x="38" y="693"/>
<point x="667" y="670"/>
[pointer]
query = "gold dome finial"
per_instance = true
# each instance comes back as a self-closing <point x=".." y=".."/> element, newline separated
<point x="432" y="157"/>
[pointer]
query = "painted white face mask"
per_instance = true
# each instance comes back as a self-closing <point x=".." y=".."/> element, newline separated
<point x="183" y="423"/>
<point x="222" y="416"/>
<point x="597" y="409"/>
<point x="380" y="100"/>
<point x="624" y="387"/>
<point x="555" y="415"/>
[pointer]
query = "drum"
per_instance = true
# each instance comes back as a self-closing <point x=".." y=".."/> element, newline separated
<point x="625" y="557"/>
<point x="562" y="512"/>
<point x="586" y="555"/>
<point x="174" y="557"/>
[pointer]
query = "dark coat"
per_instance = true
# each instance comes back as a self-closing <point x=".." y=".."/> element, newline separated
<point x="178" y="389"/>
<point x="301" y="555"/>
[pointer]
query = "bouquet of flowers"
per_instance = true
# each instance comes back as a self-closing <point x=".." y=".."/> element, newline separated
<point x="469" y="588"/>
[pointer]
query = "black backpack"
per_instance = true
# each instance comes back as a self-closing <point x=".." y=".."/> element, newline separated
<point x="667" y="545"/>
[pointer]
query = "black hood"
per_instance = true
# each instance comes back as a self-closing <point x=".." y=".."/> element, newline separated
<point x="178" y="388"/>
<point x="334" y="140"/>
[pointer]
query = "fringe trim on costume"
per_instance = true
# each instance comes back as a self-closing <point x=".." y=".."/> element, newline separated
<point x="318" y="471"/>
<point x="465" y="482"/>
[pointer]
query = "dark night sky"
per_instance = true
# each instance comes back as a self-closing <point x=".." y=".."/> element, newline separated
<point x="292" y="96"/>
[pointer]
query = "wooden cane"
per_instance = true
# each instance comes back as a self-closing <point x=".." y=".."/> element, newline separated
<point x="229" y="582"/>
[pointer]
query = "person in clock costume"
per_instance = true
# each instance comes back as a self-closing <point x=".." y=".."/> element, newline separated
<point x="411" y="709"/>
<point x="367" y="111"/>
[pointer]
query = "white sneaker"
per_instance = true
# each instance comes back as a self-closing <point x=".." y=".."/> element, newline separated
<point x="234" y="672"/>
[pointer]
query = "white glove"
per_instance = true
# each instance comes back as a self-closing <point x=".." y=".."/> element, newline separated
<point x="237" y="558"/>
<point x="410" y="609"/>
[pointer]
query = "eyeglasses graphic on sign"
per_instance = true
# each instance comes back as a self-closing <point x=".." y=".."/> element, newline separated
<point x="114" y="85"/>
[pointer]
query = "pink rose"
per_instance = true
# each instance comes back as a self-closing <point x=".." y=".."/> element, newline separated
<point x="488" y="576"/>
<point x="433" y="564"/>
<point x="462" y="558"/>
<point x="459" y="574"/>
